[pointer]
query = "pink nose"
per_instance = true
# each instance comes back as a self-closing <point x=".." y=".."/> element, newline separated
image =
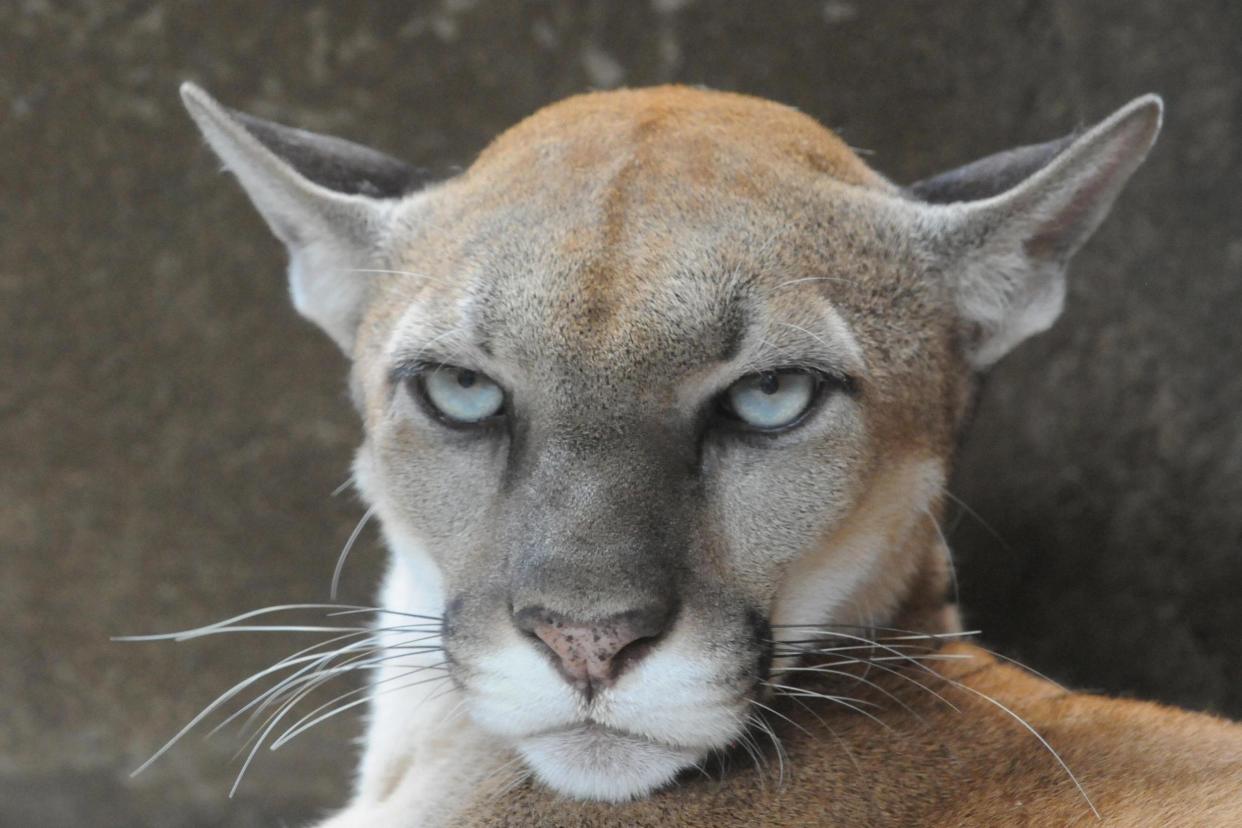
<point x="593" y="655"/>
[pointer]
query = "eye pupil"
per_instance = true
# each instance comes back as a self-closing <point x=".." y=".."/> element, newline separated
<point x="771" y="400"/>
<point x="459" y="396"/>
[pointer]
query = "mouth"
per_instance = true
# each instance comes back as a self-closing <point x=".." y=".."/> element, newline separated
<point x="594" y="761"/>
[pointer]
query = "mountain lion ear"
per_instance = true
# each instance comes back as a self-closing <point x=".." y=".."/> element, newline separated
<point x="327" y="199"/>
<point x="1005" y="227"/>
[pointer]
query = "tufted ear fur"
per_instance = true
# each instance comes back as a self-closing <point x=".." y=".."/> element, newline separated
<point x="1005" y="227"/>
<point x="327" y="199"/>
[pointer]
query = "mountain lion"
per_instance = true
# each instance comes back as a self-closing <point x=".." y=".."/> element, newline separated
<point x="660" y="397"/>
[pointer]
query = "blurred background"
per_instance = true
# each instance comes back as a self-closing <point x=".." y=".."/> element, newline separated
<point x="171" y="431"/>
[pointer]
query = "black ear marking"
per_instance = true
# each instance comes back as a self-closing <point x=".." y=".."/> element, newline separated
<point x="989" y="176"/>
<point x="335" y="163"/>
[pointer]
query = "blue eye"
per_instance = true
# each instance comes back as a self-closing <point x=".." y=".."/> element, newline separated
<point x="772" y="399"/>
<point x="460" y="395"/>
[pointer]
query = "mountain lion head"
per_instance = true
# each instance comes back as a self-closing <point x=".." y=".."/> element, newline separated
<point x="665" y="378"/>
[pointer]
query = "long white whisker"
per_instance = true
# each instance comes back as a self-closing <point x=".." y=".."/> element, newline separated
<point x="948" y="555"/>
<point x="748" y="744"/>
<point x="431" y="619"/>
<point x="288" y="693"/>
<point x="918" y="661"/>
<point x="968" y="510"/>
<point x="766" y="728"/>
<point x="315" y="674"/>
<point x="186" y="635"/>
<point x="519" y="777"/>
<point x="1027" y="726"/>
<point x="353" y="704"/>
<point x="901" y="675"/>
<point x="310" y="719"/>
<point x="307" y="654"/>
<point x="271" y="724"/>
<point x="844" y="701"/>
<point x="349" y="545"/>
<point x="856" y="677"/>
<point x="778" y="714"/>
<point x="812" y="279"/>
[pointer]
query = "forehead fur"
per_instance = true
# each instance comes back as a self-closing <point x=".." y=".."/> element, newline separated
<point x="676" y="123"/>
<point x="640" y="211"/>
<point x="620" y="236"/>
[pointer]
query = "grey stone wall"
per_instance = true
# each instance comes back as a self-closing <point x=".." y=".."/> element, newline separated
<point x="170" y="431"/>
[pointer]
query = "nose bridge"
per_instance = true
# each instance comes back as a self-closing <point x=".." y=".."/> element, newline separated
<point x="595" y="528"/>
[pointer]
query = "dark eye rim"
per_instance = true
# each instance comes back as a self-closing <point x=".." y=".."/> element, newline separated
<point x="825" y="384"/>
<point x="413" y="377"/>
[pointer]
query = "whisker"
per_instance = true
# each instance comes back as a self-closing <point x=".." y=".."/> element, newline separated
<point x="1023" y="666"/>
<point x="859" y="678"/>
<point x="349" y="545"/>
<point x="813" y="279"/>
<point x="312" y="668"/>
<point x="777" y="713"/>
<point x="1030" y="729"/>
<point x="948" y="555"/>
<point x="767" y="730"/>
<point x="851" y="637"/>
<point x="229" y="694"/>
<point x="852" y="704"/>
<point x="270" y="726"/>
<point x="187" y="635"/>
<point x="909" y="659"/>
<point x="385" y="611"/>
<point x="918" y="661"/>
<point x="904" y="634"/>
<point x="809" y="693"/>
<point x="302" y="725"/>
<point x="292" y="689"/>
<point x="896" y="655"/>
<point x="901" y="675"/>
<point x="310" y="657"/>
<point x="849" y="754"/>
<point x="385" y="692"/>
<point x="978" y="517"/>
<point x="747" y="743"/>
<point x="521" y="776"/>
<point x="809" y="645"/>
<point x="285" y="628"/>
<point x="315" y="674"/>
<point x="814" y="336"/>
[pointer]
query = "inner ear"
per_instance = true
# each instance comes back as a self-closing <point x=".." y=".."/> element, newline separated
<point x="329" y="200"/>
<point x="991" y="175"/>
<point x="1004" y="228"/>
<point x="336" y="163"/>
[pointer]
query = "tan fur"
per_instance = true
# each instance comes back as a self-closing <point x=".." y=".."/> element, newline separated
<point x="1142" y="764"/>
<point x="593" y="261"/>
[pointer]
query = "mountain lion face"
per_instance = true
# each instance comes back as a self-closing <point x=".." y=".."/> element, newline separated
<point x="665" y="377"/>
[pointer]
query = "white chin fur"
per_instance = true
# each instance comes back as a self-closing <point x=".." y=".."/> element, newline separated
<point x="592" y="763"/>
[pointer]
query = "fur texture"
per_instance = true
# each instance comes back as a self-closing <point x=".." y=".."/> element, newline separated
<point x="960" y="761"/>
<point x="615" y="264"/>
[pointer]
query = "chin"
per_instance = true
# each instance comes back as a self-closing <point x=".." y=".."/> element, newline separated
<point x="595" y="762"/>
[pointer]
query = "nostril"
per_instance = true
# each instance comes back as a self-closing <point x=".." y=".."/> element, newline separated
<point x="540" y="643"/>
<point x="593" y="654"/>
<point x="636" y="650"/>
